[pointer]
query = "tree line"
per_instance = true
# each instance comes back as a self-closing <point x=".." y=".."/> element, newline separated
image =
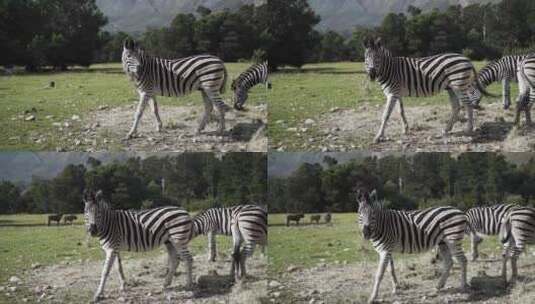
<point x="406" y="182"/>
<point x="193" y="180"/>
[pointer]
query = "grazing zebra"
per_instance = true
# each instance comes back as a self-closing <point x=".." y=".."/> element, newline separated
<point x="294" y="218"/>
<point x="255" y="74"/>
<point x="412" y="232"/>
<point x="404" y="76"/>
<point x="138" y="231"/>
<point x="505" y="70"/>
<point x="54" y="218"/>
<point x="517" y="231"/>
<point x="246" y="223"/>
<point x="175" y="77"/>
<point x="315" y="218"/>
<point x="526" y="84"/>
<point x="69" y="219"/>
<point x="328" y="217"/>
<point x="485" y="221"/>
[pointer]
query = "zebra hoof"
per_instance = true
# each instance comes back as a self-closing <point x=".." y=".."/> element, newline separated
<point x="97" y="298"/>
<point x="378" y="139"/>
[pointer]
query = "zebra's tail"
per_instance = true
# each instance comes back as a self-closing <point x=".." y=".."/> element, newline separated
<point x="481" y="87"/>
<point x="505" y="228"/>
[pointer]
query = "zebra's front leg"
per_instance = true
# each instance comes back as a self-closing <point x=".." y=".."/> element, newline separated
<point x="143" y="99"/>
<point x="208" y="108"/>
<point x="212" y="250"/>
<point x="528" y="114"/>
<point x="390" y="103"/>
<point x="504" y="265"/>
<point x="395" y="283"/>
<point x="156" y="112"/>
<point x="122" y="279"/>
<point x="172" y="264"/>
<point x="403" y="117"/>
<point x="506" y="94"/>
<point x="185" y="256"/>
<point x="469" y="130"/>
<point x="455" y="108"/>
<point x="383" y="260"/>
<point x="456" y="250"/>
<point x="475" y="240"/>
<point x="110" y="258"/>
<point x="447" y="263"/>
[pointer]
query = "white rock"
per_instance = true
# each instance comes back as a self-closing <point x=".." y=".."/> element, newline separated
<point x="75" y="117"/>
<point x="14" y="279"/>
<point x="12" y="288"/>
<point x="309" y="121"/>
<point x="276" y="294"/>
<point x="30" y="118"/>
<point x="274" y="284"/>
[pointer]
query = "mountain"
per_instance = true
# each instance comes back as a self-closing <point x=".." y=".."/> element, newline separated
<point x="340" y="15"/>
<point x="134" y="16"/>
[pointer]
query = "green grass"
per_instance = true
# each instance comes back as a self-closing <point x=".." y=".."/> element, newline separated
<point x="317" y="88"/>
<point x="309" y="245"/>
<point x="26" y="240"/>
<point x="77" y="92"/>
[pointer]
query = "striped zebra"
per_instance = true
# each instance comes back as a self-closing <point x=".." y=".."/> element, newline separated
<point x="175" y="77"/>
<point x="255" y="74"/>
<point x="247" y="224"/>
<point x="419" y="77"/>
<point x="526" y="85"/>
<point x="517" y="231"/>
<point x="412" y="232"/>
<point x="485" y="221"/>
<point x="138" y="231"/>
<point x="505" y="70"/>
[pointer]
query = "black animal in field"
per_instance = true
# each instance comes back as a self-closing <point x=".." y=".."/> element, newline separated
<point x="294" y="218"/>
<point x="69" y="219"/>
<point x="315" y="218"/>
<point x="328" y="218"/>
<point x="54" y="218"/>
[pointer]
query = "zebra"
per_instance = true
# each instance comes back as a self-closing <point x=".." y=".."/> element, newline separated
<point x="404" y="76"/>
<point x="255" y="74"/>
<point x="315" y="218"/>
<point x="484" y="221"/>
<point x="505" y="70"/>
<point x="138" y="231"/>
<point x="55" y="218"/>
<point x="294" y="218"/>
<point x="69" y="218"/>
<point x="526" y="85"/>
<point x="412" y="232"/>
<point x="175" y="77"/>
<point x="517" y="231"/>
<point x="246" y="224"/>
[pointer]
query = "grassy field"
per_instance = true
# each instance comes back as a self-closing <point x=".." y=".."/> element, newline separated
<point x="318" y="89"/>
<point x="27" y="240"/>
<point x="76" y="92"/>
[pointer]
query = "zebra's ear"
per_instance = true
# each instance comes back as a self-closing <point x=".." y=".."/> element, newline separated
<point x="99" y="195"/>
<point x="373" y="194"/>
<point x="129" y="44"/>
<point x="378" y="42"/>
<point x="367" y="42"/>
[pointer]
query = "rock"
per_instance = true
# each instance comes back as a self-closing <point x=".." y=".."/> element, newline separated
<point x="276" y="294"/>
<point x="309" y="122"/>
<point x="291" y="129"/>
<point x="50" y="117"/>
<point x="280" y="121"/>
<point x="103" y="107"/>
<point x="12" y="288"/>
<point x="292" y="268"/>
<point x="274" y="284"/>
<point x="77" y="142"/>
<point x="56" y="124"/>
<point x="30" y="118"/>
<point x="35" y="265"/>
<point x="2" y="288"/>
<point x="14" y="279"/>
<point x="281" y="149"/>
<point x="75" y="117"/>
<point x="66" y="124"/>
<point x="334" y="109"/>
<point x="121" y="299"/>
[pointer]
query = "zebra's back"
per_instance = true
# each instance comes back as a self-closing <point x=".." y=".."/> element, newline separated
<point x="488" y="220"/>
<point x="255" y="74"/>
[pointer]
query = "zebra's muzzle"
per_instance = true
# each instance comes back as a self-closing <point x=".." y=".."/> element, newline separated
<point x="366" y="232"/>
<point x="92" y="230"/>
<point x="372" y="73"/>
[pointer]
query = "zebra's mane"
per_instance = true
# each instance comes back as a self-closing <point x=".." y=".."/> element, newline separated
<point x="378" y="204"/>
<point x="242" y="75"/>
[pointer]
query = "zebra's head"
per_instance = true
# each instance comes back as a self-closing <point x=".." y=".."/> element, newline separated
<point x="367" y="212"/>
<point x="131" y="58"/>
<point x="373" y="56"/>
<point x="92" y="211"/>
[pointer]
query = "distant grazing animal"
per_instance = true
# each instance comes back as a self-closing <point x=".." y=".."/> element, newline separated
<point x="138" y="231"/>
<point x="247" y="224"/>
<point x="175" y="77"/>
<point x="517" y="231"/>
<point x="526" y="85"/>
<point x="404" y="76"/>
<point x="412" y="232"/>
<point x="256" y="74"/>
<point x="315" y="218"/>
<point x="328" y="217"/>
<point x="54" y="218"/>
<point x="294" y="218"/>
<point x="505" y="70"/>
<point x="69" y="218"/>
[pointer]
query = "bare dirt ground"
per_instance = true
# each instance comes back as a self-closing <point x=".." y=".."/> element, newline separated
<point x="347" y="129"/>
<point x="77" y="282"/>
<point x="245" y="131"/>
<point x="339" y="283"/>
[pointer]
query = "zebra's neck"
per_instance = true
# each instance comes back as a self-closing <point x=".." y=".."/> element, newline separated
<point x="387" y="67"/>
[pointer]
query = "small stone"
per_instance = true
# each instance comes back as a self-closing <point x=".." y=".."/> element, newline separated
<point x="49" y="116"/>
<point x="77" y="142"/>
<point x="66" y="124"/>
<point x="309" y="121"/>
<point x="291" y="268"/>
<point x="35" y="265"/>
<point x="279" y="122"/>
<point x="121" y="299"/>
<point x="291" y="129"/>
<point x="103" y="107"/>
<point x="14" y="279"/>
<point x="12" y="288"/>
<point x="280" y="149"/>
<point x="276" y="294"/>
<point x="274" y="284"/>
<point x="30" y="118"/>
<point x="75" y="117"/>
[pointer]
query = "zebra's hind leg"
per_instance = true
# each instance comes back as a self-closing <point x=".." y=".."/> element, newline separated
<point x="185" y="256"/>
<point x="143" y="99"/>
<point x="469" y="130"/>
<point x="172" y="263"/>
<point x="236" y="253"/>
<point x="475" y="241"/>
<point x="208" y="108"/>
<point x="221" y="107"/>
<point x="456" y="250"/>
<point x="390" y="103"/>
<point x="447" y="263"/>
<point x="110" y="258"/>
<point x="403" y="117"/>
<point x="383" y="261"/>
<point x="455" y="108"/>
<point x="212" y="250"/>
<point x="156" y="112"/>
<point x="395" y="283"/>
<point x="248" y="250"/>
<point x="122" y="279"/>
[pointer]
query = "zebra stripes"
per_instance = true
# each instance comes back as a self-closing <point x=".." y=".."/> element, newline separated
<point x="403" y="76"/>
<point x="175" y="77"/>
<point x="517" y="230"/>
<point x="485" y="221"/>
<point x="246" y="224"/>
<point x="526" y="85"/>
<point x="255" y="74"/>
<point x="138" y="231"/>
<point x="505" y="70"/>
<point x="412" y="232"/>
